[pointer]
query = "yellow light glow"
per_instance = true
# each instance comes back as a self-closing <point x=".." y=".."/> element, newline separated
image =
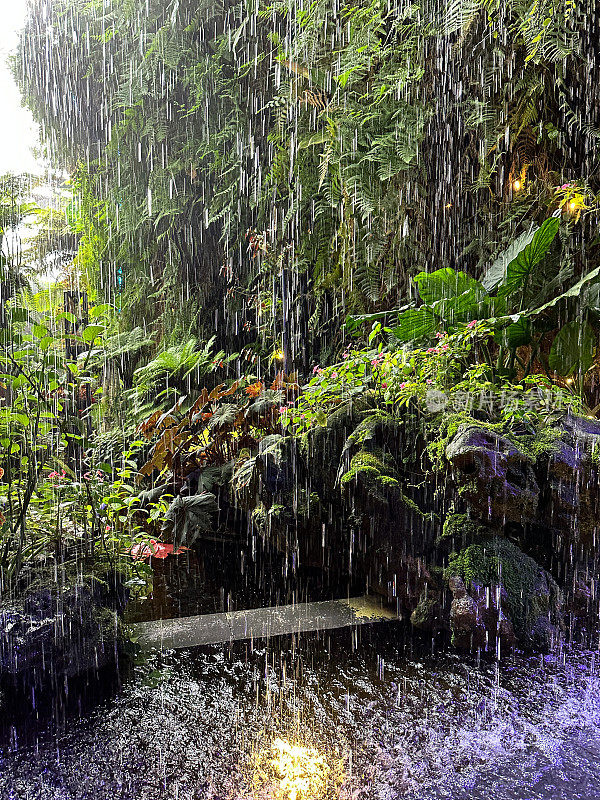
<point x="278" y="355"/>
<point x="517" y="185"/>
<point x="569" y="380"/>
<point x="573" y="205"/>
<point x="284" y="770"/>
<point x="300" y="773"/>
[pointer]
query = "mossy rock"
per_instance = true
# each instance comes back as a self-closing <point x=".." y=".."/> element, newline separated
<point x="375" y="482"/>
<point x="461" y="527"/>
<point x="376" y="430"/>
<point x="60" y="631"/>
<point x="427" y="616"/>
<point x="531" y="592"/>
<point x="322" y="447"/>
<point x="495" y="476"/>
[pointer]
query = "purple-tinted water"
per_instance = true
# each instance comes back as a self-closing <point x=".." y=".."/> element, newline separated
<point x="187" y="725"/>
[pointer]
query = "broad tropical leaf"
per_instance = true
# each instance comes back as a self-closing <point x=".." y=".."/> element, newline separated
<point x="574" y="291"/>
<point x="416" y="323"/>
<point x="495" y="274"/>
<point x="520" y="269"/>
<point x="447" y="283"/>
<point x="573" y="348"/>
<point x="188" y="517"/>
<point x="517" y="334"/>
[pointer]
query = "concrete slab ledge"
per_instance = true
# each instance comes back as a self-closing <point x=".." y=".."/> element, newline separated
<point x="259" y="623"/>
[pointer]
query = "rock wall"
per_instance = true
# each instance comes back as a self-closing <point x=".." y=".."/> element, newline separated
<point x="494" y="544"/>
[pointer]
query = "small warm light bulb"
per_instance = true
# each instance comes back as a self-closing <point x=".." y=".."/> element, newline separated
<point x="517" y="185"/>
<point x="572" y="205"/>
<point x="278" y="355"/>
<point x="569" y="380"/>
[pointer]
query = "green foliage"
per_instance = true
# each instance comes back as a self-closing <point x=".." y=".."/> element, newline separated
<point x="188" y="517"/>
<point x="244" y="176"/>
<point x="238" y="145"/>
<point x="171" y="367"/>
<point x="498" y="562"/>
<point x="47" y="400"/>
<point x="519" y="270"/>
<point x="573" y="349"/>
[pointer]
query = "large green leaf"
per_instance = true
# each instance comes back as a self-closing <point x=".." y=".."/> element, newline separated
<point x="353" y="322"/>
<point x="91" y="332"/>
<point x="495" y="274"/>
<point x="464" y="307"/>
<point x="446" y="283"/>
<point x="573" y="348"/>
<point x="574" y="291"/>
<point x="416" y="323"/>
<point x="519" y="270"/>
<point x="518" y="333"/>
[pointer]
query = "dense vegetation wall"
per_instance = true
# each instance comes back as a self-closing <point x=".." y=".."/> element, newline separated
<point x="258" y="170"/>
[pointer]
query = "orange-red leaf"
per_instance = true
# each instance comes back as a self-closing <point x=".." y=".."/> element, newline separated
<point x="200" y="402"/>
<point x="147" y="427"/>
<point x="254" y="389"/>
<point x="154" y="549"/>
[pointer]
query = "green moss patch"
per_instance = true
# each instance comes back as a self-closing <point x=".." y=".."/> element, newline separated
<point x="499" y="561"/>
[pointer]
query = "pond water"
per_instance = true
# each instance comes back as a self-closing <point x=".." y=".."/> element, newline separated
<point x="380" y="716"/>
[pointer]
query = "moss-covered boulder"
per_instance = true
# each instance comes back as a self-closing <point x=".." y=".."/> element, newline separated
<point x="460" y="529"/>
<point x="495" y="476"/>
<point x="54" y="633"/>
<point x="321" y="447"/>
<point x="502" y="579"/>
<point x="569" y="469"/>
<point x="428" y="614"/>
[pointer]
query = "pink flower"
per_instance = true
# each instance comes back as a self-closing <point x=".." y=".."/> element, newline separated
<point x="428" y="380"/>
<point x="440" y="334"/>
<point x="57" y="476"/>
<point x="334" y="375"/>
<point x="472" y="324"/>
<point x="443" y="348"/>
<point x="282" y="409"/>
<point x="384" y="385"/>
<point x="433" y="350"/>
<point x="87" y="476"/>
<point x="566" y="186"/>
<point x="402" y="385"/>
<point x="345" y="355"/>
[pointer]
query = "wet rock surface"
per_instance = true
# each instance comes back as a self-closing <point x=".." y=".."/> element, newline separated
<point x="51" y="635"/>
<point x="521" y="493"/>
<point x="498" y="476"/>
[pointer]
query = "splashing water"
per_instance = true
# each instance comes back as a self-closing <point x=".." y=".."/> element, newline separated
<point x="197" y="724"/>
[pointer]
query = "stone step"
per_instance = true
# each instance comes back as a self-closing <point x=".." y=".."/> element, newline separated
<point x="259" y="623"/>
